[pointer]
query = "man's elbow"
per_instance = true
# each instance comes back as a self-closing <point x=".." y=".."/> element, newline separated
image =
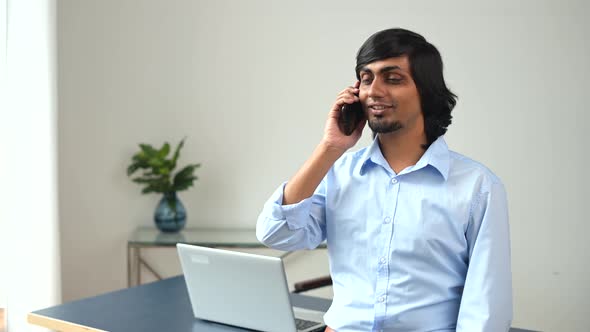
<point x="270" y="232"/>
<point x="262" y="231"/>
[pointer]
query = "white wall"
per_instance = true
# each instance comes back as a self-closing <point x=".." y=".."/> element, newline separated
<point x="3" y="105"/>
<point x="250" y="83"/>
<point x="28" y="200"/>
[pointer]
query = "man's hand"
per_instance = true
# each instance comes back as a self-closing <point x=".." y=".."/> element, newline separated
<point x="333" y="137"/>
<point x="333" y="145"/>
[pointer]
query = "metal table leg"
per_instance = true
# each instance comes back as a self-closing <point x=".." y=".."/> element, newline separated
<point x="133" y="273"/>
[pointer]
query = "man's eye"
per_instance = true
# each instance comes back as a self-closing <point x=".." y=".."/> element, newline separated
<point x="394" y="80"/>
<point x="366" y="81"/>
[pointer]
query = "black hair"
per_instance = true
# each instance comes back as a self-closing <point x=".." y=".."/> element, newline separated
<point x="426" y="68"/>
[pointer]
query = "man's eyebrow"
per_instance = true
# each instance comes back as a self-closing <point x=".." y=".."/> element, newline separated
<point x="382" y="70"/>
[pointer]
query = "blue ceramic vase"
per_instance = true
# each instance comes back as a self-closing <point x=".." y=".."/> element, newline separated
<point x="170" y="215"/>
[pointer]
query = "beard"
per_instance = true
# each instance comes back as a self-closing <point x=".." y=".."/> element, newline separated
<point x="382" y="126"/>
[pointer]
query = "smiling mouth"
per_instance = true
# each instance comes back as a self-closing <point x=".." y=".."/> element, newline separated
<point x="379" y="109"/>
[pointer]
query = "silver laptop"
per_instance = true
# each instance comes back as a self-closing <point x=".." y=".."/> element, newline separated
<point x="244" y="290"/>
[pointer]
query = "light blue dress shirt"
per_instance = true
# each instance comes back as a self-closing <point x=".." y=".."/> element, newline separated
<point x="427" y="249"/>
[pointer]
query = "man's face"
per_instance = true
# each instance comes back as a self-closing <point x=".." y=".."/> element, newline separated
<point x="389" y="96"/>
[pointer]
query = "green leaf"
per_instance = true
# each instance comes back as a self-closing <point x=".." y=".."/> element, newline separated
<point x="155" y="163"/>
<point x="186" y="172"/>
<point x="184" y="178"/>
<point x="132" y="168"/>
<point x="138" y="157"/>
<point x="164" y="170"/>
<point x="184" y="184"/>
<point x="148" y="150"/>
<point x="147" y="190"/>
<point x="177" y="153"/>
<point x="164" y="151"/>
<point x="145" y="180"/>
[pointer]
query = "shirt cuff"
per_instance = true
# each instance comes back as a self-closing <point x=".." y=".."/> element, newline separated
<point x="296" y="215"/>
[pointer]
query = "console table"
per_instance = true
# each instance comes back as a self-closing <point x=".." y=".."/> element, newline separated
<point x="151" y="237"/>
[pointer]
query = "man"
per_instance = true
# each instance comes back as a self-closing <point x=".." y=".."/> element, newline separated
<point x="418" y="236"/>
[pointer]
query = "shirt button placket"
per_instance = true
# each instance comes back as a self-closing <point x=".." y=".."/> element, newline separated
<point x="382" y="267"/>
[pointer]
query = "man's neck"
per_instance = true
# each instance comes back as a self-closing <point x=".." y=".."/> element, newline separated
<point x="402" y="149"/>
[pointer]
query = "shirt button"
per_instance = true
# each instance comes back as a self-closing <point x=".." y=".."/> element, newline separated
<point x="393" y="181"/>
<point x="382" y="260"/>
<point x="387" y="220"/>
<point x="381" y="299"/>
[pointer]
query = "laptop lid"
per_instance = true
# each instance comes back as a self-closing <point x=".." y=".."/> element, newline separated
<point x="237" y="288"/>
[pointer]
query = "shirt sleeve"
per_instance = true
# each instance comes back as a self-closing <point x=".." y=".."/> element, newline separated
<point x="486" y="304"/>
<point x="295" y="226"/>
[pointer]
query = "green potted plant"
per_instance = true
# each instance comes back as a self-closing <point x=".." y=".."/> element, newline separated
<point x="158" y="176"/>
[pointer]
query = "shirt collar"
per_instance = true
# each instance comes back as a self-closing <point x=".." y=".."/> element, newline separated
<point x="371" y="157"/>
<point x="437" y="156"/>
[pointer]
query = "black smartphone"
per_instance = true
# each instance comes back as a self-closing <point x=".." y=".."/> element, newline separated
<point x="350" y="116"/>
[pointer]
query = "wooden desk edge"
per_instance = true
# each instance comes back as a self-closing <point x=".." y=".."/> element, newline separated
<point x="58" y="325"/>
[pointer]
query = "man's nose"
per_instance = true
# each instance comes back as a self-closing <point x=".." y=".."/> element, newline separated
<point x="376" y="89"/>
